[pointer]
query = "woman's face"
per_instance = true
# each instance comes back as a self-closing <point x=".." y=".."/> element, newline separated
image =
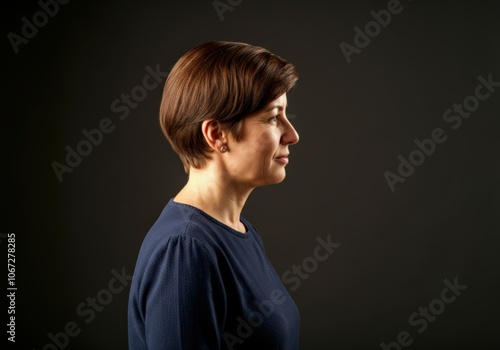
<point x="260" y="157"/>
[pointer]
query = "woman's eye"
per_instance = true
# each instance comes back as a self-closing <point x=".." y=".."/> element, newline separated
<point x="273" y="119"/>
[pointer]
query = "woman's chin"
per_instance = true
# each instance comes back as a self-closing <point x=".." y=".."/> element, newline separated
<point x="277" y="177"/>
<point x="272" y="178"/>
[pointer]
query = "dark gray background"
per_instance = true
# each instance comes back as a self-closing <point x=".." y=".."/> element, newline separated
<point x="353" y="119"/>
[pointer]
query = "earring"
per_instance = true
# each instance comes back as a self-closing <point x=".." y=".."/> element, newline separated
<point x="223" y="149"/>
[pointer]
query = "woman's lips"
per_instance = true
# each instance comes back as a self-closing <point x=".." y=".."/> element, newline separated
<point x="282" y="159"/>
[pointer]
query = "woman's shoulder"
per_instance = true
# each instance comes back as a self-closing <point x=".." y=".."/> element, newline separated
<point x="174" y="237"/>
<point x="176" y="222"/>
<point x="182" y="224"/>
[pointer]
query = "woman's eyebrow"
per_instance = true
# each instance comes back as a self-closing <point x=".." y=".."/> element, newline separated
<point x="280" y="107"/>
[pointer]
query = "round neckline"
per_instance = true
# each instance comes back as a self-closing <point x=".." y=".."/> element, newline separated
<point x="220" y="223"/>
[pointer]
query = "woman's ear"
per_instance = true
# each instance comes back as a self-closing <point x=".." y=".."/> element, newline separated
<point x="213" y="134"/>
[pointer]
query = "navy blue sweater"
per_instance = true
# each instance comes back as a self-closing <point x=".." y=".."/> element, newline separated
<point x="199" y="284"/>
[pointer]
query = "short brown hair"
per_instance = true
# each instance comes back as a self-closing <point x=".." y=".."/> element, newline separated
<point x="219" y="80"/>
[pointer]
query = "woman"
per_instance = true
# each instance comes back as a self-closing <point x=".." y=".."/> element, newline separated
<point x="202" y="279"/>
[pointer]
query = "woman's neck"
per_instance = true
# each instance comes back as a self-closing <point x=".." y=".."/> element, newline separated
<point x="216" y="195"/>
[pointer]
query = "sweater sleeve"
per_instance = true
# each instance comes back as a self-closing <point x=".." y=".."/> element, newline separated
<point x="184" y="298"/>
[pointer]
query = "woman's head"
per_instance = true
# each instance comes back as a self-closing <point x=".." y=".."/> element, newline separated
<point x="223" y="82"/>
